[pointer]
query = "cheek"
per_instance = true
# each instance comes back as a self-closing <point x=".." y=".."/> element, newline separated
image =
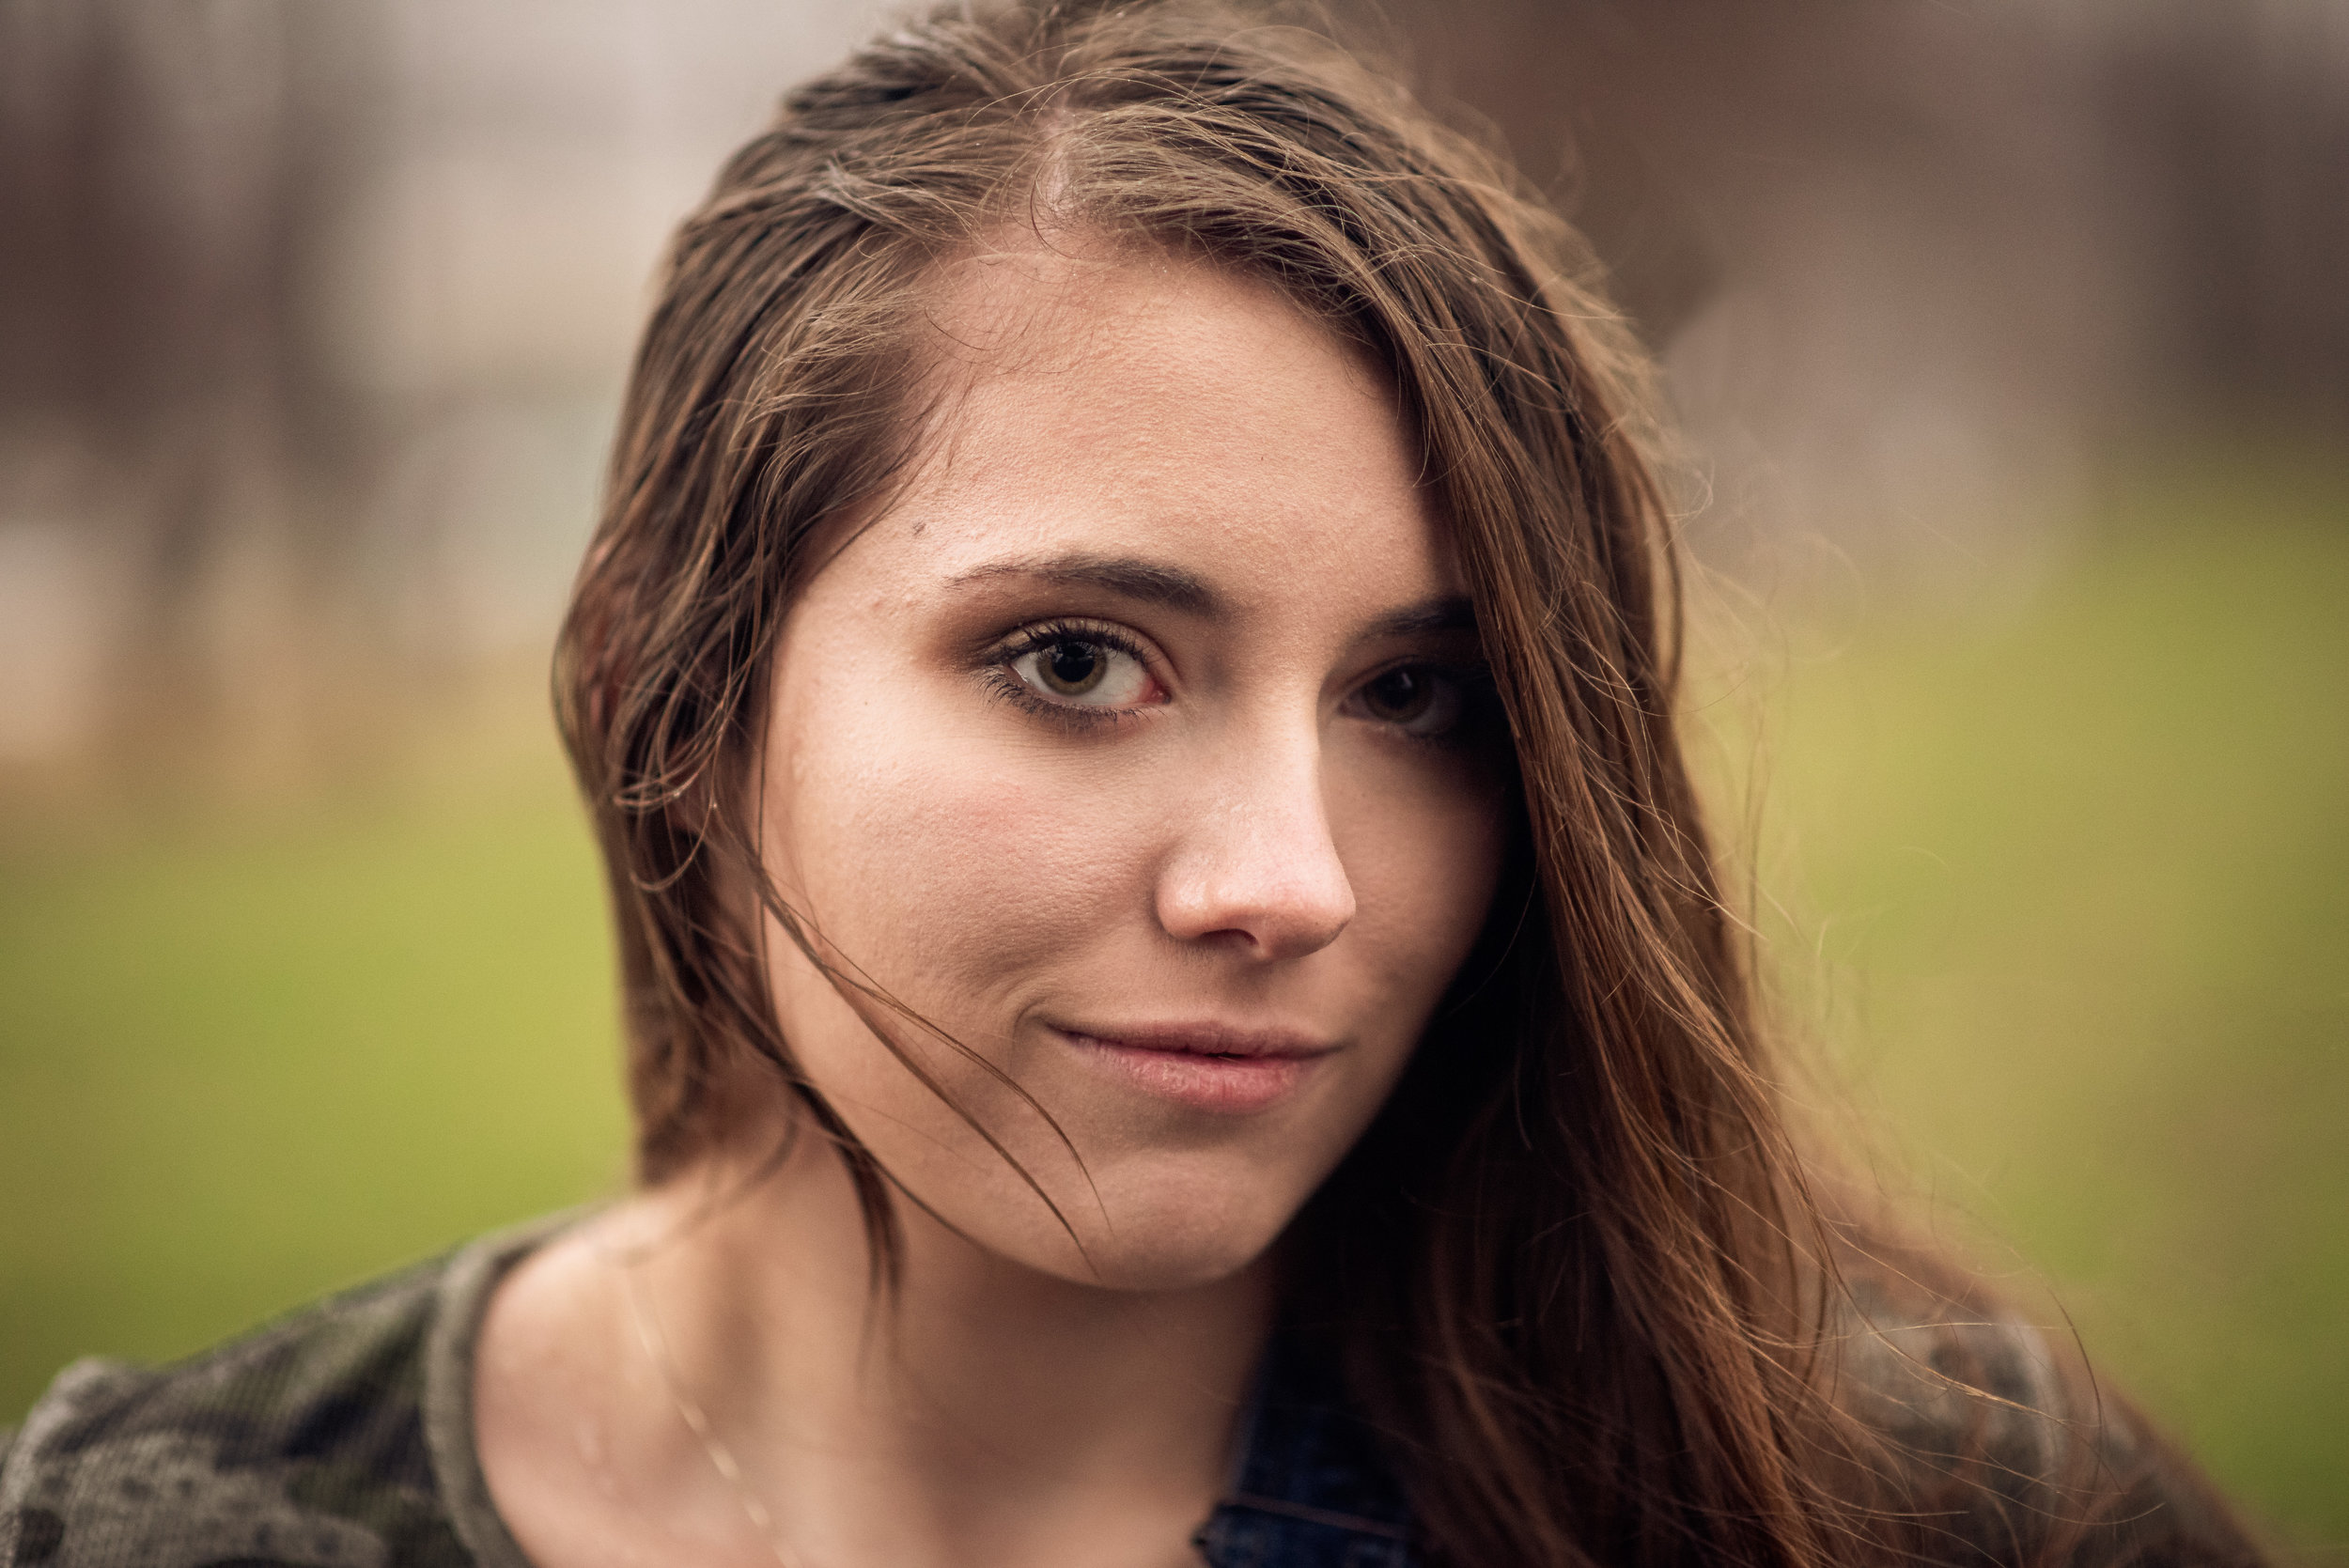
<point x="1424" y="847"/>
<point x="947" y="871"/>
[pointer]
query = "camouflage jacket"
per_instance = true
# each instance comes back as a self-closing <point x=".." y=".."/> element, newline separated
<point x="338" y="1437"/>
<point x="342" y="1437"/>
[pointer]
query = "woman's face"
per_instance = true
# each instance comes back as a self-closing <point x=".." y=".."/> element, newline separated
<point x="1139" y="747"/>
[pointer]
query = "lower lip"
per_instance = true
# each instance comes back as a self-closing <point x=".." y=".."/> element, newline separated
<point x="1231" y="1085"/>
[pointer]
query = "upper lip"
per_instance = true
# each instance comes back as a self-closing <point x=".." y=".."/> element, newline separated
<point x="1206" y="1039"/>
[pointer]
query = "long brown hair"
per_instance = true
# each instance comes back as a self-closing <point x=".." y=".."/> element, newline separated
<point x="1575" y="1271"/>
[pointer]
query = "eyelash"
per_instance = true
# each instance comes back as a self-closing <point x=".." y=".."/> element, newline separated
<point x="1034" y="639"/>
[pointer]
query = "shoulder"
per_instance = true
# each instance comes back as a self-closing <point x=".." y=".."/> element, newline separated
<point x="302" y="1443"/>
<point x="1997" y="1445"/>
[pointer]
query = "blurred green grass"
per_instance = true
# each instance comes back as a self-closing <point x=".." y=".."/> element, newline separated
<point x="239" y="1067"/>
<point x="2066" y="882"/>
<point x="2067" y="878"/>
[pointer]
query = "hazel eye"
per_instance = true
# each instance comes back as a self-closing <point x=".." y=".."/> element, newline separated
<point x="1083" y="673"/>
<point x="1413" y="698"/>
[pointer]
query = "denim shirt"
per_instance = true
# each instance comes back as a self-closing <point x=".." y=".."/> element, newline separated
<point x="1309" y="1488"/>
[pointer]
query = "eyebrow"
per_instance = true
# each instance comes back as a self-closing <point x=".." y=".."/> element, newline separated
<point x="1150" y="581"/>
<point x="1454" y="613"/>
<point x="1156" y="582"/>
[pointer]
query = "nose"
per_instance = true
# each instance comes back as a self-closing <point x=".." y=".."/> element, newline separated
<point x="1255" y="867"/>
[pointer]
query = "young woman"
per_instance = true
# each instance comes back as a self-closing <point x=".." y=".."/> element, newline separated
<point x="1179" y="1007"/>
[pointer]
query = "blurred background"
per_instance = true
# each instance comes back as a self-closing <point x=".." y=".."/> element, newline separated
<point x="2010" y="339"/>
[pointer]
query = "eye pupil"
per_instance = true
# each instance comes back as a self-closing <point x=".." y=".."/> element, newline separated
<point x="1399" y="696"/>
<point x="1072" y="667"/>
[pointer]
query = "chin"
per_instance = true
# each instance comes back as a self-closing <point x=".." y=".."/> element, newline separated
<point x="1148" y="1270"/>
<point x="1174" y="1242"/>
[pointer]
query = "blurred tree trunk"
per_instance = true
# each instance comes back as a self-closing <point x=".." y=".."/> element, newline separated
<point x="159" y="181"/>
<point x="1939" y="256"/>
<point x="2235" y="119"/>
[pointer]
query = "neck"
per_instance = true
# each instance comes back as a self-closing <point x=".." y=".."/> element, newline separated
<point x="987" y="1403"/>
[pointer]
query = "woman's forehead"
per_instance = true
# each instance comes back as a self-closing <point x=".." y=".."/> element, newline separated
<point x="1160" y="410"/>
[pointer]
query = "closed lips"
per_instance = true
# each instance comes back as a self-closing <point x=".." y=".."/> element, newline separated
<point x="1206" y="1040"/>
<point x="1208" y="1068"/>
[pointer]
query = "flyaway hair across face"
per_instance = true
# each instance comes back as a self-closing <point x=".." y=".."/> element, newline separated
<point x="1575" y="1260"/>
